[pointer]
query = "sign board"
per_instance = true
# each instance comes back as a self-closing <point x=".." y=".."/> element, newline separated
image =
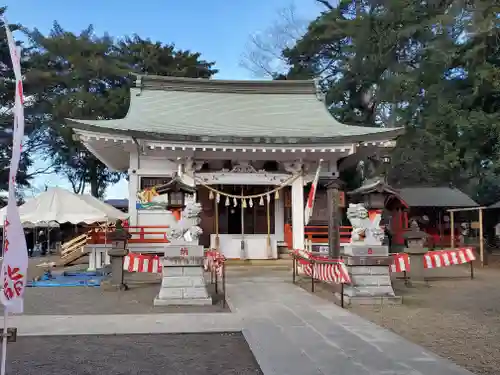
<point x="320" y="248"/>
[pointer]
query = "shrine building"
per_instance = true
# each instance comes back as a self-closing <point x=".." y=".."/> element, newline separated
<point x="250" y="147"/>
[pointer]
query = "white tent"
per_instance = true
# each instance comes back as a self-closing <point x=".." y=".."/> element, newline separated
<point x="112" y="213"/>
<point x="3" y="216"/>
<point x="62" y="206"/>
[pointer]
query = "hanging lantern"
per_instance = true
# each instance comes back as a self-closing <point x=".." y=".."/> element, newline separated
<point x="235" y="202"/>
<point x="176" y="191"/>
<point x="211" y="195"/>
<point x="277" y="195"/>
<point x="261" y="201"/>
<point x="244" y="203"/>
<point x="250" y="202"/>
<point x="268" y="197"/>
<point x="217" y="198"/>
<point x="227" y="201"/>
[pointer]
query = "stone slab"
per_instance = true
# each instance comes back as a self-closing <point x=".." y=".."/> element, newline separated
<point x="194" y="293"/>
<point x="365" y="250"/>
<point x="371" y="280"/>
<point x="168" y="293"/>
<point x="182" y="302"/>
<point x="369" y="261"/>
<point x="369" y="270"/>
<point x="359" y="300"/>
<point x="182" y="281"/>
<point x="369" y="291"/>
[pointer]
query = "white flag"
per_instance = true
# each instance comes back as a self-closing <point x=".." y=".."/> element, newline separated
<point x="15" y="259"/>
<point x="308" y="210"/>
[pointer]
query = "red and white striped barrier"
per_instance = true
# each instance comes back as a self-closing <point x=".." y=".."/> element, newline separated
<point x="334" y="272"/>
<point x="435" y="259"/>
<point x="445" y="258"/>
<point x="401" y="263"/>
<point x="142" y="263"/>
<point x="214" y="261"/>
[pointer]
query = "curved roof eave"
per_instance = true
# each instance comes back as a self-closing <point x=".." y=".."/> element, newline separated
<point x="384" y="135"/>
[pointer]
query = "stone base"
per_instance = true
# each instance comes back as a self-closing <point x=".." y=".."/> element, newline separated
<point x="183" y="301"/>
<point x="359" y="301"/>
<point x="368" y="267"/>
<point x="183" y="285"/>
<point x="183" y="281"/>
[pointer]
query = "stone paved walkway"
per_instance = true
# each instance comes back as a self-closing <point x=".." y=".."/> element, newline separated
<point x="290" y="332"/>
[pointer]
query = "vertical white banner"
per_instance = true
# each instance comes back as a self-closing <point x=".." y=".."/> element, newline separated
<point x="15" y="254"/>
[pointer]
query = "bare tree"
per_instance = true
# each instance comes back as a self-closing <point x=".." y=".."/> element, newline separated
<point x="263" y="51"/>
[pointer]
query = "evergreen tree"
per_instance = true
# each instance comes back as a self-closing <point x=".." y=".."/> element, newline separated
<point x="88" y="77"/>
<point x="431" y="67"/>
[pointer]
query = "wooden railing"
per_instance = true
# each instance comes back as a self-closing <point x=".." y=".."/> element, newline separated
<point x="319" y="233"/>
<point x="316" y="234"/>
<point x="139" y="234"/>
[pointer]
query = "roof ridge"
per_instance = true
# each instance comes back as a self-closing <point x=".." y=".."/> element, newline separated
<point x="169" y="83"/>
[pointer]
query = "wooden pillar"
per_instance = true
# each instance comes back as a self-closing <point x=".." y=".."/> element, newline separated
<point x="333" y="219"/>
<point x="452" y="229"/>
<point x="481" y="237"/>
<point x="298" y="213"/>
<point x="217" y="239"/>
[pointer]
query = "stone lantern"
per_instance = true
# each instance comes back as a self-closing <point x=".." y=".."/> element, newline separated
<point x="415" y="239"/>
<point x="119" y="239"/>
<point x="176" y="191"/>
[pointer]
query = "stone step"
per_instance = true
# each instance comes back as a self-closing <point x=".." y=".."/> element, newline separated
<point x="368" y="291"/>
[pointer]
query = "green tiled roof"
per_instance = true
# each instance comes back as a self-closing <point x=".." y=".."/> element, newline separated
<point x="445" y="197"/>
<point x="239" y="111"/>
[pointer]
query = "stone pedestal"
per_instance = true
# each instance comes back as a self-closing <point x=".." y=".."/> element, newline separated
<point x="368" y="268"/>
<point x="183" y="281"/>
<point x="117" y="275"/>
<point x="417" y="270"/>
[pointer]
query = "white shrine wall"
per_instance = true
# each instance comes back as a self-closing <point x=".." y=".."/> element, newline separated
<point x="147" y="166"/>
<point x="162" y="166"/>
<point x="154" y="166"/>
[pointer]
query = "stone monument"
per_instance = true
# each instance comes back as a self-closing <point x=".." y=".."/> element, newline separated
<point x="367" y="259"/>
<point x="183" y="281"/>
<point x="416" y="250"/>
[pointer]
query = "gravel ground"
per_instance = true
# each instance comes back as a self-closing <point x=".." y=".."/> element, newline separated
<point x="458" y="319"/>
<point x="94" y="300"/>
<point x="169" y="354"/>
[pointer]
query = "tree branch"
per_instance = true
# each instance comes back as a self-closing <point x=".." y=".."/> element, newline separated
<point x="46" y="170"/>
<point x="326" y="4"/>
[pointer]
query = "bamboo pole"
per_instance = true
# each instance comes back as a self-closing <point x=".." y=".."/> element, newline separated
<point x="481" y="239"/>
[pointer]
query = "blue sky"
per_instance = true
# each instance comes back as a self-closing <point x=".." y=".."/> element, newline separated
<point x="219" y="29"/>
